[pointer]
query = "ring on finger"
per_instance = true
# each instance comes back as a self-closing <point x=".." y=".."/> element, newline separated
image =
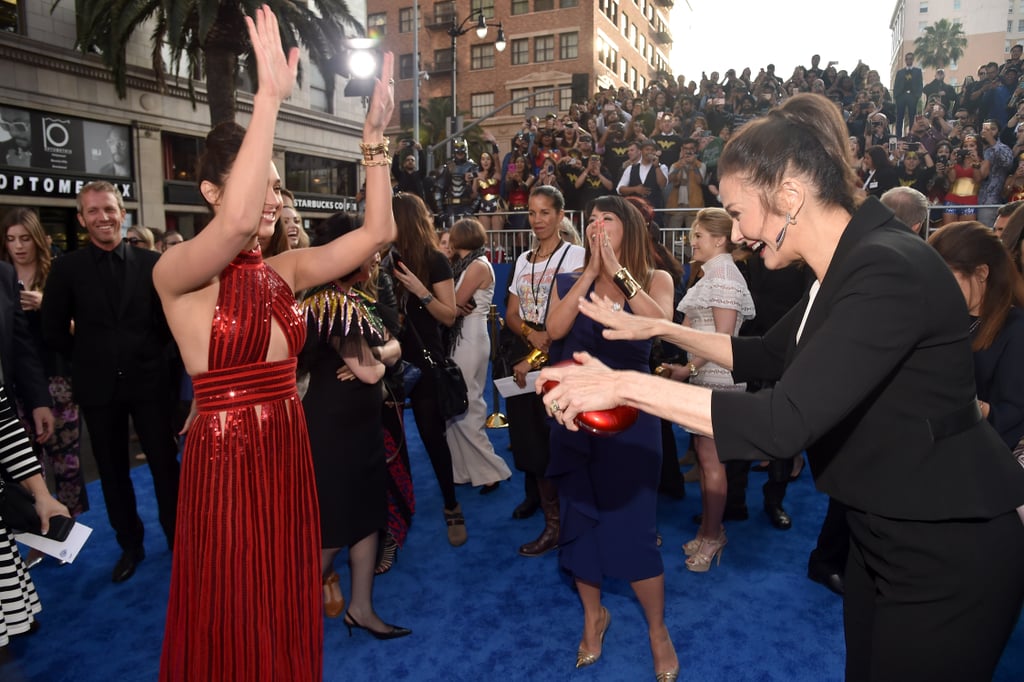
<point x="555" y="408"/>
<point x="616" y="307"/>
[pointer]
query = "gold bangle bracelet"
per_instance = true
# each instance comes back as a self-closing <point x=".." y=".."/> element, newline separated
<point x="386" y="161"/>
<point x="372" y="150"/>
<point x="626" y="284"/>
<point x="536" y="358"/>
<point x="524" y="330"/>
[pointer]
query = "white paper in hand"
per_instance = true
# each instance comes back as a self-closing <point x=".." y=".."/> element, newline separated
<point x="66" y="551"/>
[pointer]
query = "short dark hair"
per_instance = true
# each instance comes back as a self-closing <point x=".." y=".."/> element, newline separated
<point x="467" y="233"/>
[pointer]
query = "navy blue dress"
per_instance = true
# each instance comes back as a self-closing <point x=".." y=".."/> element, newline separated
<point x="607" y="486"/>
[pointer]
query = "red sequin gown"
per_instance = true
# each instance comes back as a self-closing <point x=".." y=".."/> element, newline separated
<point x="245" y="586"/>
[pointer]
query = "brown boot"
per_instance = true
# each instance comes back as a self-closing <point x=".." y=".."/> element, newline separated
<point x="548" y="539"/>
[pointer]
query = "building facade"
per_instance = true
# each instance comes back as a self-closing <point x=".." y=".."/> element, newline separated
<point x="589" y="44"/>
<point x="64" y="125"/>
<point x="991" y="27"/>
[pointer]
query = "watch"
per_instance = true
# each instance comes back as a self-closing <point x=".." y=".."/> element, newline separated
<point x="425" y="300"/>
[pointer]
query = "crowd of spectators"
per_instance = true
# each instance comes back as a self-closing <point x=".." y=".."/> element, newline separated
<point x="960" y="145"/>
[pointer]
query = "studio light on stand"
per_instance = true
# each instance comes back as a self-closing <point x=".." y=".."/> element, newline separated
<point x="360" y="62"/>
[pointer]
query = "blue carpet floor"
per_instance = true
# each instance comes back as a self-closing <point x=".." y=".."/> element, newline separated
<point x="481" y="611"/>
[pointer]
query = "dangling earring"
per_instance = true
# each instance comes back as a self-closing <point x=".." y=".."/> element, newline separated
<point x="790" y="220"/>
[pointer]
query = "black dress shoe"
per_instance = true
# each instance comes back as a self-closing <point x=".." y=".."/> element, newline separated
<point x="125" y="566"/>
<point x="827" y="576"/>
<point x="489" y="488"/>
<point x="526" y="509"/>
<point x="778" y="516"/>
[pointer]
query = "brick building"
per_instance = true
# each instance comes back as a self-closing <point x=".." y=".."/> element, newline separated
<point x="549" y="43"/>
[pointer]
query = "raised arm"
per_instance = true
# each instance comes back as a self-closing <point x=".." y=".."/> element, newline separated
<point x="242" y="200"/>
<point x="304" y="268"/>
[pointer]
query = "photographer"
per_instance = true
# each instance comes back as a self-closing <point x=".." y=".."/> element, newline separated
<point x="593" y="182"/>
<point x="408" y="167"/>
<point x="916" y="168"/>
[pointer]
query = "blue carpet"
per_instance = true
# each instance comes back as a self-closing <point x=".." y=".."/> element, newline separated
<point x="481" y="611"/>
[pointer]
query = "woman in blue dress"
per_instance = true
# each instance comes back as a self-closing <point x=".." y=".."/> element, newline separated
<point x="608" y="485"/>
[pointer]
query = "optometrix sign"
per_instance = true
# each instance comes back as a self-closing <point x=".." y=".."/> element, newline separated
<point x="48" y="142"/>
<point x="54" y="186"/>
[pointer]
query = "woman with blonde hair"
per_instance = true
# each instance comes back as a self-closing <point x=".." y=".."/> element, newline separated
<point x="719" y="302"/>
<point x="142" y="237"/>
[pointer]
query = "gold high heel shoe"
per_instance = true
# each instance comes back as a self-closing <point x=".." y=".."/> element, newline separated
<point x="334" y="600"/>
<point x="691" y="547"/>
<point x="584" y="657"/>
<point x="667" y="675"/>
<point x="708" y="551"/>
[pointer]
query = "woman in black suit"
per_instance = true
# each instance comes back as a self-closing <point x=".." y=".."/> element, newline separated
<point x="875" y="381"/>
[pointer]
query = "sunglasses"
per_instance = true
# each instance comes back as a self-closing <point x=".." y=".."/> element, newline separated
<point x="134" y="241"/>
<point x="14" y="126"/>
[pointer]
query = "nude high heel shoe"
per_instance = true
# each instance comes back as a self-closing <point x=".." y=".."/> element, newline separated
<point x="709" y="551"/>
<point x="584" y="657"/>
<point x="334" y="600"/>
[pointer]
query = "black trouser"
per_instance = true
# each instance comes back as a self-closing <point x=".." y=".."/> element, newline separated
<point x="108" y="435"/>
<point x="833" y="540"/>
<point x="931" y="601"/>
<point x="737" y="473"/>
<point x="431" y="425"/>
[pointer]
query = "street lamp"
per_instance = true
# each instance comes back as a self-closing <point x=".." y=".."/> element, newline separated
<point x="456" y="30"/>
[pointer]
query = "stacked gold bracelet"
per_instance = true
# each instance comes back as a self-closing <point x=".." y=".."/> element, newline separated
<point x="372" y="151"/>
<point x="626" y="284"/>
<point x="537" y="358"/>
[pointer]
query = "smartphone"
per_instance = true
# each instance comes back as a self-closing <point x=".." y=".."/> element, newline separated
<point x="60" y="528"/>
<point x="892" y="145"/>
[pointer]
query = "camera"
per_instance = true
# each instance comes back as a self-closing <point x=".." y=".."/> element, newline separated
<point x="961" y="155"/>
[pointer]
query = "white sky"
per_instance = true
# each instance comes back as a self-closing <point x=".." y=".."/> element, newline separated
<point x="718" y="35"/>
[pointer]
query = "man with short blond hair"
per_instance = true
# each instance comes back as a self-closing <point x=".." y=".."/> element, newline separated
<point x="120" y="368"/>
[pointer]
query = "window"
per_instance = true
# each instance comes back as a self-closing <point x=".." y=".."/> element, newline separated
<point x="544" y="48"/>
<point x="520" y="51"/>
<point x="565" y="96"/>
<point x="11" y="19"/>
<point x="405" y="66"/>
<point x="1020" y="26"/>
<point x="180" y="155"/>
<point x="568" y="3"/>
<point x="568" y="45"/>
<point x="485" y="6"/>
<point x="481" y="104"/>
<point x="1009" y="25"/>
<point x="405" y="113"/>
<point x="923" y="8"/>
<point x="443" y="59"/>
<point x="632" y="80"/>
<point x="546" y="99"/>
<point x="519" y="108"/>
<point x="320" y="92"/>
<point x="520" y="6"/>
<point x="405" y="20"/>
<point x="543" y="5"/>
<point x="956" y="4"/>
<point x="482" y="57"/>
<point x="377" y="25"/>
<point x="632" y="34"/>
<point x="317" y="175"/>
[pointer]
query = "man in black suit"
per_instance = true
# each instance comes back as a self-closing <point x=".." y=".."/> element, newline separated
<point x="119" y="350"/>
<point x="21" y="370"/>
<point x="906" y="89"/>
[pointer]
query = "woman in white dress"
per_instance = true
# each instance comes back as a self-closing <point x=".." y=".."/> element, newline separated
<point x="719" y="302"/>
<point x="473" y="458"/>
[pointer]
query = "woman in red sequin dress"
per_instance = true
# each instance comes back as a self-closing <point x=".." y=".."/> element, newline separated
<point x="245" y="586"/>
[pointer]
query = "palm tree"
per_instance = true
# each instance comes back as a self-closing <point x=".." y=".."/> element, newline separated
<point x="940" y="44"/>
<point x="210" y="37"/>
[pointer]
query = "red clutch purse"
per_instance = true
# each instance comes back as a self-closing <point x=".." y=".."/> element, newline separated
<point x="600" y="422"/>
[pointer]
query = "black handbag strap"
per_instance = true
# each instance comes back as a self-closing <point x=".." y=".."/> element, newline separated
<point x="427" y="355"/>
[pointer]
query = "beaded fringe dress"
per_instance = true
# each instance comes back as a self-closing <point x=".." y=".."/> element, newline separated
<point x="245" y="586"/>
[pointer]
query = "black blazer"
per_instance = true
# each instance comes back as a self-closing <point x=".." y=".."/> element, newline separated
<point x="877" y="388"/>
<point x="24" y="376"/>
<point x="115" y="354"/>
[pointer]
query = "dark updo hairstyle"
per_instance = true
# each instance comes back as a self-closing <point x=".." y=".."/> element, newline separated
<point x="552" y="193"/>
<point x="222" y="145"/>
<point x="966" y="246"/>
<point x="337" y="225"/>
<point x="804" y="136"/>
